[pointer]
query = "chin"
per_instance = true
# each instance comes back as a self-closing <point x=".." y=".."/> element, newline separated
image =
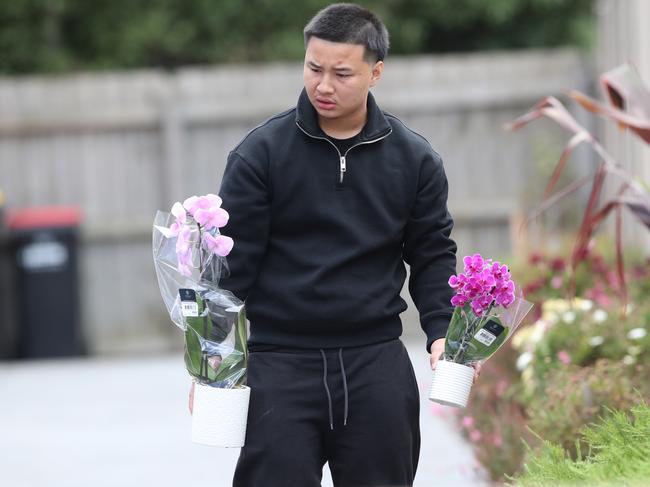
<point x="327" y="113"/>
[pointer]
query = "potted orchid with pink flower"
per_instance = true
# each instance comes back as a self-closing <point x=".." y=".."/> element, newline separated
<point x="189" y="258"/>
<point x="487" y="310"/>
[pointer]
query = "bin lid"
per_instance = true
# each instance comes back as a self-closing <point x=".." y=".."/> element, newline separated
<point x="43" y="217"/>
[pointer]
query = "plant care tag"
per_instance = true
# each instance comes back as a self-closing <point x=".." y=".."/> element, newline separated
<point x="489" y="333"/>
<point x="189" y="306"/>
<point x="485" y="337"/>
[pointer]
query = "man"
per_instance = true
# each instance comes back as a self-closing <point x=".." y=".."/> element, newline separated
<point x="327" y="201"/>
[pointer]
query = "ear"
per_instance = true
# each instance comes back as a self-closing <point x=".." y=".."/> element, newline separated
<point x="377" y="70"/>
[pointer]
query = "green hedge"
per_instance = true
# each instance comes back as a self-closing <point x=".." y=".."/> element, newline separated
<point x="64" y="35"/>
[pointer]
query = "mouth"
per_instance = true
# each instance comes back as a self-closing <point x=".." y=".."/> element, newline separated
<point x="325" y="104"/>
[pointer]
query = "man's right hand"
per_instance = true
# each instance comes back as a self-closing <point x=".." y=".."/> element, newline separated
<point x="191" y="397"/>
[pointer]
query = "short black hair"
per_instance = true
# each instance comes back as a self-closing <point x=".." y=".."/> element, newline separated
<point x="350" y="24"/>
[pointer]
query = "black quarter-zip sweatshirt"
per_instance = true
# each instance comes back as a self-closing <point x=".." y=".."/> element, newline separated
<point x="321" y="237"/>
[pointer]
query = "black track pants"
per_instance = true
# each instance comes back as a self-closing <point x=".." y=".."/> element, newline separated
<point x="298" y="418"/>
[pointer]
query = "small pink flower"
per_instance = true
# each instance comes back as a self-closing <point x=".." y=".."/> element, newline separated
<point x="558" y="264"/>
<point x="500" y="271"/>
<point x="599" y="296"/>
<point x="220" y="244"/>
<point x="214" y="362"/>
<point x="497" y="440"/>
<point x="211" y="217"/>
<point x="473" y="264"/>
<point x="185" y="261"/>
<point x="179" y="212"/>
<point x="190" y="204"/>
<point x="505" y="299"/>
<point x="183" y="239"/>
<point x="437" y="410"/>
<point x="468" y="421"/>
<point x="556" y="282"/>
<point x="454" y="282"/>
<point x="184" y="270"/>
<point x="459" y="300"/>
<point x="475" y="435"/>
<point x="564" y="357"/>
<point x="194" y="203"/>
<point x="536" y="258"/>
<point x="181" y="217"/>
<point x="477" y="308"/>
<point x="501" y="387"/>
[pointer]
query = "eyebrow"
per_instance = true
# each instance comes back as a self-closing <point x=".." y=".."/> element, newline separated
<point x="317" y="66"/>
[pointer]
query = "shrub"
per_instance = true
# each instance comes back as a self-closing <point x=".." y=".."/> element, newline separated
<point x="577" y="333"/>
<point x="576" y="396"/>
<point x="619" y="454"/>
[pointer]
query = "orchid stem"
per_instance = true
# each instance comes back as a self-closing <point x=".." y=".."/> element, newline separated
<point x="204" y="353"/>
<point x="471" y="329"/>
<point x="198" y="225"/>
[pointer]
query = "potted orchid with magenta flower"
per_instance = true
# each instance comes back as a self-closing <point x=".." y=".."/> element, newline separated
<point x="487" y="310"/>
<point x="189" y="256"/>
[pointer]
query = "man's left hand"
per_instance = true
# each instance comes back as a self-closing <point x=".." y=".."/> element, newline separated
<point x="438" y="348"/>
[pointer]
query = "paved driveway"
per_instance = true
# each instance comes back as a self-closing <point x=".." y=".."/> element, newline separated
<point x="123" y="422"/>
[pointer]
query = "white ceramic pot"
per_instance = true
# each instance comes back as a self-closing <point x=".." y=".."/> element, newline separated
<point x="219" y="416"/>
<point x="451" y="384"/>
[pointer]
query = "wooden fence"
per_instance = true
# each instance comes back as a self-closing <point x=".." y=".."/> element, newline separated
<point x="121" y="145"/>
<point x="624" y="37"/>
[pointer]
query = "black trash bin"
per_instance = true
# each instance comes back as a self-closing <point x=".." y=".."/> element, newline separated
<point x="7" y="328"/>
<point x="43" y="245"/>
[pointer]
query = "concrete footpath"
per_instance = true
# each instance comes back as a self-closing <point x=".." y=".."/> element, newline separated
<point x="117" y="422"/>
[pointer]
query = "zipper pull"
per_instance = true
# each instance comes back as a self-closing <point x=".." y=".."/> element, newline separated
<point x="343" y="167"/>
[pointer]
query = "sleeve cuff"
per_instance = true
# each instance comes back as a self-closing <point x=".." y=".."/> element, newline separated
<point x="435" y="329"/>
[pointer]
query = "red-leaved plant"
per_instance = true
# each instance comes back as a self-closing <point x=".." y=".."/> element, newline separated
<point x="629" y="107"/>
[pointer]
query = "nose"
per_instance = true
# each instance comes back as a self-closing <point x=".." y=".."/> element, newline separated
<point x="325" y="86"/>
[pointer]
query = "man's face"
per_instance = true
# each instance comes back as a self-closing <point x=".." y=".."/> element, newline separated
<point x="337" y="78"/>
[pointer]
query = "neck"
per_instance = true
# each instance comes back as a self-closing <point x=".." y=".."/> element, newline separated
<point x="344" y="128"/>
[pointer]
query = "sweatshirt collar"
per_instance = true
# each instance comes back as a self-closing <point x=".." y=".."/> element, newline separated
<point x="307" y="118"/>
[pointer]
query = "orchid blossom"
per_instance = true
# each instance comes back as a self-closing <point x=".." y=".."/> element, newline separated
<point x="219" y="244"/>
<point x="483" y="284"/>
<point x="206" y="211"/>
